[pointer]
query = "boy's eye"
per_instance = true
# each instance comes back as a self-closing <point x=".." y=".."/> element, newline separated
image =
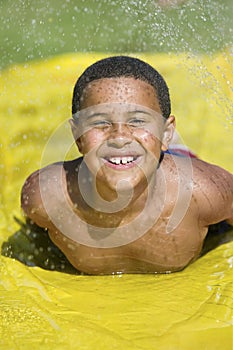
<point x="101" y="124"/>
<point x="136" y="122"/>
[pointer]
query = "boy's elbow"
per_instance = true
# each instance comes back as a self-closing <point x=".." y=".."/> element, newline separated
<point x="26" y="200"/>
<point x="31" y="203"/>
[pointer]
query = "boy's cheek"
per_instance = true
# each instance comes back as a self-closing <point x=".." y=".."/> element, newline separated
<point x="150" y="142"/>
<point x="87" y="141"/>
<point x="149" y="134"/>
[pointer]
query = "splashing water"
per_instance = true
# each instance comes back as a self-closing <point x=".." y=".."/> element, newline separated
<point x="32" y="30"/>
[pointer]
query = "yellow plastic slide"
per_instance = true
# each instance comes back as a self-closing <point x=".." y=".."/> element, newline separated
<point x="47" y="309"/>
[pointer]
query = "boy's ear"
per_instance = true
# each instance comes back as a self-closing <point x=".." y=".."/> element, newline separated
<point x="169" y="129"/>
<point x="75" y="132"/>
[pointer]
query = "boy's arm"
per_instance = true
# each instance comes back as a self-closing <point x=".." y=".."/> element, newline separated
<point x="31" y="201"/>
<point x="213" y="188"/>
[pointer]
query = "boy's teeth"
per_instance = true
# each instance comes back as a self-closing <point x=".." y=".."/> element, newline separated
<point x="119" y="160"/>
<point x="124" y="160"/>
<point x="116" y="160"/>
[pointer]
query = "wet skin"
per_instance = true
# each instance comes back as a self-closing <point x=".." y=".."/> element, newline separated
<point x="120" y="132"/>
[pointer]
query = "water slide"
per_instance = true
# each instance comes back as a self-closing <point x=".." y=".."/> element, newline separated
<point x="47" y="308"/>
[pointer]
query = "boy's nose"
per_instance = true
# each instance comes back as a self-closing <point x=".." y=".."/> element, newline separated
<point x="120" y="135"/>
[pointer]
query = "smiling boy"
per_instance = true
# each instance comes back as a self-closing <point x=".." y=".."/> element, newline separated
<point x="128" y="205"/>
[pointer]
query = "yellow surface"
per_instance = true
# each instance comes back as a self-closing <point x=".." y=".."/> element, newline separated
<point x="192" y="309"/>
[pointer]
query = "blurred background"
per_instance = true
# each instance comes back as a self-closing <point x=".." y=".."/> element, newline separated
<point x="37" y="29"/>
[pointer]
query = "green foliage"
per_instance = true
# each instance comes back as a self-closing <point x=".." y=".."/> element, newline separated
<point x="33" y="29"/>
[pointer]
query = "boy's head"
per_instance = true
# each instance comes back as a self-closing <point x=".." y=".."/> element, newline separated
<point x="119" y="107"/>
<point x="123" y="66"/>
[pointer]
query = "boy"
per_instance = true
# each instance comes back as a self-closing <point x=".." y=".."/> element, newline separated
<point x="128" y="205"/>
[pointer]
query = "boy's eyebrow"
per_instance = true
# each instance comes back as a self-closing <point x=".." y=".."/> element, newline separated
<point x="104" y="114"/>
<point x="96" y="114"/>
<point x="140" y="111"/>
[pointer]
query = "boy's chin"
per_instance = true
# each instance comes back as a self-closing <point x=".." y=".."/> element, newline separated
<point x="123" y="185"/>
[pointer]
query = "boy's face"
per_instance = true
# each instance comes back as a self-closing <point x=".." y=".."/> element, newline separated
<point x="122" y="131"/>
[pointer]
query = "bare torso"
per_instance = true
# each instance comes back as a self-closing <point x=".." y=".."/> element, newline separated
<point x="155" y="252"/>
<point x="172" y="239"/>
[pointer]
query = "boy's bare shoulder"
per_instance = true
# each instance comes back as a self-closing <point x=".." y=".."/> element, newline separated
<point x="39" y="182"/>
<point x="40" y="177"/>
<point x="31" y="198"/>
<point x="212" y="176"/>
<point x="213" y="191"/>
<point x="211" y="186"/>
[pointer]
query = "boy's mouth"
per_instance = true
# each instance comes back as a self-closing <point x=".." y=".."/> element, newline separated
<point x="121" y="162"/>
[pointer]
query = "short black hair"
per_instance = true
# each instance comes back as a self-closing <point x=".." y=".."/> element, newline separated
<point x="123" y="66"/>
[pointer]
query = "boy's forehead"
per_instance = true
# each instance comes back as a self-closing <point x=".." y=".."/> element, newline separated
<point x="120" y="89"/>
<point x="118" y="85"/>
